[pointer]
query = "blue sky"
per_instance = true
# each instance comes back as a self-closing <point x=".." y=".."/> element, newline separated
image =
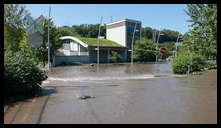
<point x="158" y="16"/>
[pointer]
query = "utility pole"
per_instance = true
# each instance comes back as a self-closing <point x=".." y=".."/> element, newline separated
<point x="49" y="18"/>
<point x="177" y="42"/>
<point x="132" y="47"/>
<point x="157" y="47"/>
<point x="98" y="43"/>
<point x="158" y="44"/>
<point x="140" y="32"/>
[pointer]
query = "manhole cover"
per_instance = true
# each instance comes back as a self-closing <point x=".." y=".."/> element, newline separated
<point x="87" y="97"/>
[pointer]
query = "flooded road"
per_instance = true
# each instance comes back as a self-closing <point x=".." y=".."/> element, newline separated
<point x="148" y="93"/>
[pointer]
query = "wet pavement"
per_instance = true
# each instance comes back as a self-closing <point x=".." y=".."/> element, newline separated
<point x="149" y="93"/>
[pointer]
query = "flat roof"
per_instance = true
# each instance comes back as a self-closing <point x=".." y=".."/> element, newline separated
<point x="125" y="20"/>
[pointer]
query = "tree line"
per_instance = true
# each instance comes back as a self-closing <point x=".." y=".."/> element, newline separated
<point x="202" y="37"/>
<point x="91" y="30"/>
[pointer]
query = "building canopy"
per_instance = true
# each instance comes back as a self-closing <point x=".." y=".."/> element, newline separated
<point x="92" y="41"/>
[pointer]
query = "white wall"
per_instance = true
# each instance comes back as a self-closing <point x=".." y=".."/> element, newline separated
<point x="72" y="49"/>
<point x="117" y="34"/>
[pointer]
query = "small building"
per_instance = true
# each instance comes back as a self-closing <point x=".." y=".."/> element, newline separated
<point x="122" y="32"/>
<point x="81" y="49"/>
<point x="119" y="36"/>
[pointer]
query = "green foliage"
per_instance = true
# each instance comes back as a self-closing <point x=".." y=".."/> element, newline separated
<point x="91" y="31"/>
<point x="13" y="26"/>
<point x="145" y="50"/>
<point x="88" y="30"/>
<point x="41" y="53"/>
<point x="170" y="46"/>
<point x="13" y="15"/>
<point x="67" y="31"/>
<point x="181" y="62"/>
<point x="103" y="42"/>
<point x="168" y="36"/>
<point x="210" y="65"/>
<point x="147" y="32"/>
<point x="203" y="36"/>
<point x="115" y="57"/>
<point x="21" y="75"/>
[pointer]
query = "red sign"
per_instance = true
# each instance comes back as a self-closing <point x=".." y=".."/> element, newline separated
<point x="163" y="50"/>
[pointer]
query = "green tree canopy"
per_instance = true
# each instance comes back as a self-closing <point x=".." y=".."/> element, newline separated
<point x="203" y="36"/>
<point x="13" y="26"/>
<point x="144" y="50"/>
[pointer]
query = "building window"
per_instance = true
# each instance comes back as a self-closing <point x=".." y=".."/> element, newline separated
<point x="66" y="46"/>
<point x="74" y="46"/>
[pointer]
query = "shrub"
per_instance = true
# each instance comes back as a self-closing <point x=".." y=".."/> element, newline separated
<point x="21" y="75"/>
<point x="181" y="62"/>
<point x="210" y="65"/>
<point x="115" y="57"/>
<point x="144" y="50"/>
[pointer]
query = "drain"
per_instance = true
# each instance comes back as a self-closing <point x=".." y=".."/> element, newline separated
<point x="112" y="85"/>
<point x="87" y="97"/>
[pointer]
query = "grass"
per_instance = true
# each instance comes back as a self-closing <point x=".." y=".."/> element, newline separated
<point x="103" y="42"/>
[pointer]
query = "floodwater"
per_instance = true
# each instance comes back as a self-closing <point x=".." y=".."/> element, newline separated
<point x="148" y="93"/>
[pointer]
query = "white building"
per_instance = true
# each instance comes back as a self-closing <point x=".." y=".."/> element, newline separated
<point x="119" y="36"/>
<point x="122" y="32"/>
<point x="81" y="49"/>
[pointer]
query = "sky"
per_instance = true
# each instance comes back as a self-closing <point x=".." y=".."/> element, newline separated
<point x="157" y="16"/>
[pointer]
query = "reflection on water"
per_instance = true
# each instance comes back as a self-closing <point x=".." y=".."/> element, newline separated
<point x="121" y="96"/>
<point x="108" y="72"/>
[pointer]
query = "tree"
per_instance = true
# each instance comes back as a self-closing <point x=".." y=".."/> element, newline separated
<point x="170" y="46"/>
<point x="147" y="32"/>
<point x="13" y="26"/>
<point x="169" y="36"/>
<point x="67" y="31"/>
<point x="115" y="56"/>
<point x="41" y="53"/>
<point x="203" y="36"/>
<point x="88" y="30"/>
<point x="144" y="50"/>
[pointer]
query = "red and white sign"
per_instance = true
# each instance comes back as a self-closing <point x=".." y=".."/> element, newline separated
<point x="163" y="50"/>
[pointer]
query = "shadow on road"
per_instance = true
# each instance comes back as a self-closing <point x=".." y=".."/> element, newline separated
<point x="10" y="101"/>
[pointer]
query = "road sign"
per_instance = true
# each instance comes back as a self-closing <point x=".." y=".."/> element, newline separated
<point x="34" y="23"/>
<point x="163" y="50"/>
<point x="35" y="40"/>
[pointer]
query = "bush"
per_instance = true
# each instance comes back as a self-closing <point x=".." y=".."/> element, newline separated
<point x="144" y="50"/>
<point x="181" y="62"/>
<point x="21" y="75"/>
<point x="115" y="57"/>
<point x="210" y="65"/>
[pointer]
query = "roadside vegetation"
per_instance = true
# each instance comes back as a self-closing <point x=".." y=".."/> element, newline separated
<point x="200" y="41"/>
<point x="115" y="57"/>
<point x="22" y="63"/>
<point x="21" y="75"/>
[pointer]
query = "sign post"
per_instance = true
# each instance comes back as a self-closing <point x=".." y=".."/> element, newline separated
<point x="35" y="39"/>
<point x="49" y="19"/>
<point x="98" y="44"/>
